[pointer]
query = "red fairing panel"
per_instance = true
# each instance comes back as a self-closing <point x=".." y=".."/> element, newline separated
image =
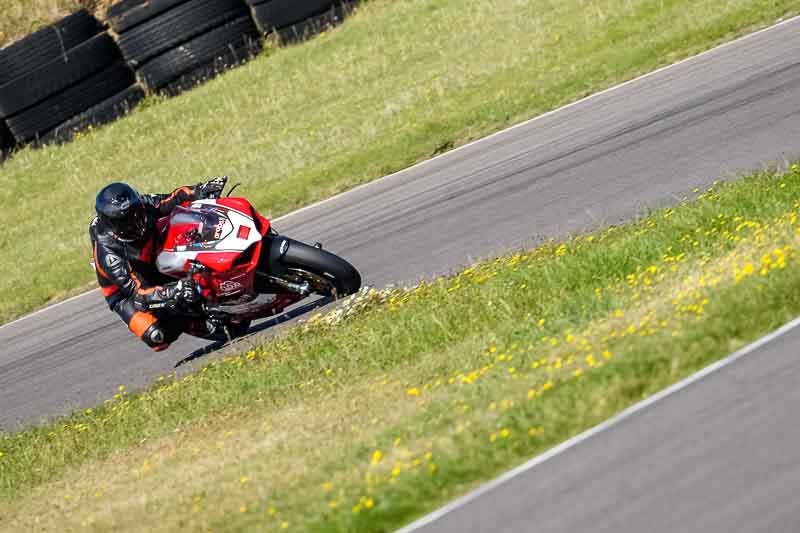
<point x="242" y="205"/>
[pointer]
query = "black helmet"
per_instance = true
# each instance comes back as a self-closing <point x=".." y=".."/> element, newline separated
<point x="120" y="209"/>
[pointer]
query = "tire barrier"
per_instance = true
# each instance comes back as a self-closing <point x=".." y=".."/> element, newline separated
<point x="175" y="27"/>
<point x="51" y="112"/>
<point x="175" y="44"/>
<point x="308" y="28"/>
<point x="54" y="76"/>
<point x="73" y="74"/>
<point x="6" y="140"/>
<point x="47" y="44"/>
<point x="275" y="15"/>
<point x="63" y="74"/>
<point x="106" y="111"/>
<point x="202" y="57"/>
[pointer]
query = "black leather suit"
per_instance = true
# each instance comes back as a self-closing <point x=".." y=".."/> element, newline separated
<point x="128" y="277"/>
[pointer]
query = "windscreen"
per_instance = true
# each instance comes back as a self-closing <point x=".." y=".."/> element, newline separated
<point x="198" y="225"/>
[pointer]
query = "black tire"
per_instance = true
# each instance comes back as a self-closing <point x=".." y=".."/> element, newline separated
<point x="128" y="14"/>
<point x="119" y="8"/>
<point x="175" y="27"/>
<point x="6" y="140"/>
<point x="313" y="26"/>
<point x="106" y="111"/>
<point x="53" y="111"/>
<point x="53" y="77"/>
<point x="276" y="14"/>
<point x="221" y="63"/>
<point x="216" y="50"/>
<point x="341" y="274"/>
<point x="47" y="44"/>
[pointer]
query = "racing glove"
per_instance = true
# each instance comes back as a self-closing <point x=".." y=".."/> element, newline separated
<point x="186" y="291"/>
<point x="212" y="188"/>
<point x="169" y="296"/>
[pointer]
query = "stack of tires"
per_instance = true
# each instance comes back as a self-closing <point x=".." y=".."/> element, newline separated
<point x="63" y="78"/>
<point x="295" y="20"/>
<point x="175" y="44"/>
<point x="7" y="141"/>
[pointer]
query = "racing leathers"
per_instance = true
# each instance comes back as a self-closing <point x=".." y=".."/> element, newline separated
<point x="128" y="277"/>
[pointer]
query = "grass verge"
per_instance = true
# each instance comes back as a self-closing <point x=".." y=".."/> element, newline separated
<point x="365" y="417"/>
<point x="398" y="83"/>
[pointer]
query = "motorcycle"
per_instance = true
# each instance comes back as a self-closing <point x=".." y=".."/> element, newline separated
<point x="242" y="267"/>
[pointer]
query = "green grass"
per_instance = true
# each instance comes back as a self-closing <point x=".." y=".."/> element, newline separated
<point x="364" y="418"/>
<point x="398" y="83"/>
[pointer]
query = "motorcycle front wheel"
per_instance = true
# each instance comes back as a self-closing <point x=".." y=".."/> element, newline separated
<point x="326" y="273"/>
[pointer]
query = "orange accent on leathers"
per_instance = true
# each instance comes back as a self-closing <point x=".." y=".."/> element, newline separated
<point x="109" y="291"/>
<point x="139" y="289"/>
<point x="174" y="193"/>
<point x="140" y="322"/>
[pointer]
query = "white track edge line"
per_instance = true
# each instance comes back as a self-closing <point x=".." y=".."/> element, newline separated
<point x="481" y="140"/>
<point x="589" y="433"/>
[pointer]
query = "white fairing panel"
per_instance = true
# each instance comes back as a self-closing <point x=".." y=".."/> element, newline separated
<point x="173" y="262"/>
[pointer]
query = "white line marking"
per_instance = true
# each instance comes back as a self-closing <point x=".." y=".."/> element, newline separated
<point x="481" y="140"/>
<point x="614" y="420"/>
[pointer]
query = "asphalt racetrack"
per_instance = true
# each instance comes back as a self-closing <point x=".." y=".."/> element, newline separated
<point x="600" y="161"/>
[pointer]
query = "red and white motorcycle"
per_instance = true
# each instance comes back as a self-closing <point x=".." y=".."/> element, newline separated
<point x="243" y="268"/>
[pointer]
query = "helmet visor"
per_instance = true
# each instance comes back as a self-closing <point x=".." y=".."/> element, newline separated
<point x="133" y="225"/>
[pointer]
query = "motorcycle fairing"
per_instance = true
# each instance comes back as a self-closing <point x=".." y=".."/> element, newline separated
<point x="220" y="235"/>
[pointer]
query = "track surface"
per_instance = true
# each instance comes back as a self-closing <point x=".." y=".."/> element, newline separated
<point x="602" y="160"/>
<point x="718" y="456"/>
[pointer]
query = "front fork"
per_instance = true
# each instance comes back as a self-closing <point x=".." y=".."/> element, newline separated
<point x="271" y="267"/>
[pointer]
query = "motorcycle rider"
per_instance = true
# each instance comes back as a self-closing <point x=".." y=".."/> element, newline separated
<point x="124" y="240"/>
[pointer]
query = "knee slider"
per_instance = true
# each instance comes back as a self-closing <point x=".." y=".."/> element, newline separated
<point x="155" y="337"/>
